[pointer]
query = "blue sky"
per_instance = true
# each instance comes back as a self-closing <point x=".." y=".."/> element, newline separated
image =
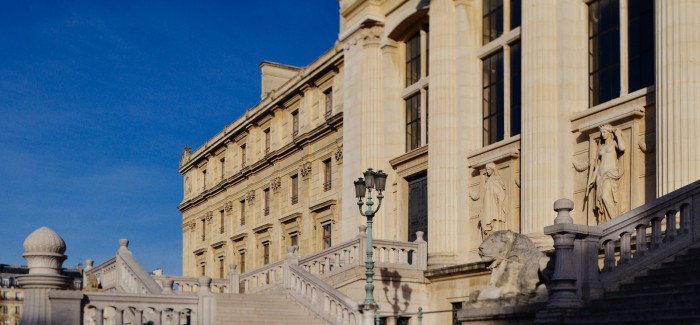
<point x="98" y="98"/>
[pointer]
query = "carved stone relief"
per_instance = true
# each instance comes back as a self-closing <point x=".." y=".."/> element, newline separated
<point x="188" y="185"/>
<point x="186" y="154"/>
<point x="305" y="169"/>
<point x="228" y="207"/>
<point x="276" y="183"/>
<point x="605" y="172"/>
<point x="250" y="197"/>
<point x="209" y="216"/>
<point x="493" y="209"/>
<point x="339" y="153"/>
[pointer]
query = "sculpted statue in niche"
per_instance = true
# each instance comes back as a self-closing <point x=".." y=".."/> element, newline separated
<point x="492" y="215"/>
<point x="186" y="153"/>
<point x="605" y="173"/>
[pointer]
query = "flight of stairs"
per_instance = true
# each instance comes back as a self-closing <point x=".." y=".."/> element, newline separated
<point x="667" y="294"/>
<point x="259" y="309"/>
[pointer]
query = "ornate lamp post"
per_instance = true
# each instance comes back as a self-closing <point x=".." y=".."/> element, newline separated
<point x="364" y="186"/>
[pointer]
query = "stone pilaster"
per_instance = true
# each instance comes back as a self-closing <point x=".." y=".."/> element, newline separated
<point x="553" y="85"/>
<point x="677" y="94"/>
<point x="443" y="170"/>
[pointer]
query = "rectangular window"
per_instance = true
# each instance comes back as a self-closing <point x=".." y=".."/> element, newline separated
<point x="295" y="123"/>
<point x="603" y="51"/>
<point x="326" y="235"/>
<point x="515" y="9"/>
<point x="492" y="20"/>
<point x="204" y="179"/>
<point x="295" y="189"/>
<point x="427" y="110"/>
<point x="221" y="220"/>
<point x="267" y="141"/>
<point x="242" y="212"/>
<point x="203" y="269"/>
<point x="243" y="155"/>
<point x="223" y="167"/>
<point x="266" y="193"/>
<point x="328" y="94"/>
<point x="241" y="261"/>
<point x="294" y="239"/>
<point x="204" y="229"/>
<point x="413" y="51"/>
<point x="266" y="252"/>
<point x="515" y="89"/>
<point x="327" y="175"/>
<point x="641" y="44"/>
<point x="413" y="122"/>
<point x="221" y="268"/>
<point x="493" y="103"/>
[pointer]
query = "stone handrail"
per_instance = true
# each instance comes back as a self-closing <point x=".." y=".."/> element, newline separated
<point x="319" y="297"/>
<point x="122" y="273"/>
<point x="387" y="253"/>
<point x="188" y="284"/>
<point x="632" y="243"/>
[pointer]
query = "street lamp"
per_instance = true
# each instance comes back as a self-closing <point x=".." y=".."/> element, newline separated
<point x="364" y="186"/>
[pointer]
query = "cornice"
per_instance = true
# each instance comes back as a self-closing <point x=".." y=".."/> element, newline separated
<point x="323" y="205"/>
<point x="262" y="228"/>
<point x="290" y="217"/>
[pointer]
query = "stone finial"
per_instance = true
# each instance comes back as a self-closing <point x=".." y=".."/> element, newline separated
<point x="563" y="208"/>
<point x="419" y="236"/>
<point x="89" y="264"/>
<point x="204" y="283"/>
<point x="291" y="250"/>
<point x="43" y="250"/>
<point x="124" y="243"/>
<point x="157" y="271"/>
<point x="232" y="268"/>
<point x="363" y="230"/>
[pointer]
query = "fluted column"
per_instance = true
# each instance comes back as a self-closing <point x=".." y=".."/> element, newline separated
<point x="553" y="86"/>
<point x="677" y="94"/>
<point x="443" y="171"/>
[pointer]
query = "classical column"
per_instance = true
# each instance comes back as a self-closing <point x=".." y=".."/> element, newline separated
<point x="553" y="63"/>
<point x="677" y="94"/>
<point x="443" y="170"/>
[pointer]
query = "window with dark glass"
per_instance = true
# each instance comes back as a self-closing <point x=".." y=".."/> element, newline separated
<point x="203" y="269"/>
<point x="328" y="95"/>
<point x="427" y="111"/>
<point x="295" y="189"/>
<point x="294" y="239"/>
<point x="603" y="51"/>
<point x="243" y="155"/>
<point x="221" y="268"/>
<point x="515" y="89"/>
<point x="266" y="252"/>
<point x="295" y="123"/>
<point x="223" y="167"/>
<point x="493" y="103"/>
<point x="267" y="201"/>
<point x="241" y="262"/>
<point x="515" y="9"/>
<point x="492" y="18"/>
<point x="204" y="229"/>
<point x="413" y="122"/>
<point x="204" y="179"/>
<point x="221" y="220"/>
<point x="267" y="141"/>
<point x="641" y="44"/>
<point x="242" y="212"/>
<point x="413" y="51"/>
<point x="327" y="235"/>
<point x="327" y="175"/>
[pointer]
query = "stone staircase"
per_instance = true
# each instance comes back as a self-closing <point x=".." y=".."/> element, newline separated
<point x="264" y="308"/>
<point x="667" y="294"/>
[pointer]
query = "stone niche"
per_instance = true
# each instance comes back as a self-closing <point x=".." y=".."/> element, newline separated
<point x="505" y="155"/>
<point x="633" y="116"/>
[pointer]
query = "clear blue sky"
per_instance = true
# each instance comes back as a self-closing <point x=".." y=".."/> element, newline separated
<point x="98" y="98"/>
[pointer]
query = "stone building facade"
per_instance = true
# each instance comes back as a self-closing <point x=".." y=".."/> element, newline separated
<point x="482" y="112"/>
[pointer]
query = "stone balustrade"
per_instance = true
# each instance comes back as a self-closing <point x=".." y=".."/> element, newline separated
<point x="185" y="284"/>
<point x="387" y="253"/>
<point x="121" y="308"/>
<point x="631" y="242"/>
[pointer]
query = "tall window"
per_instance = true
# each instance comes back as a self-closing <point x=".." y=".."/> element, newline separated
<point x="267" y="201"/>
<point x="415" y="93"/>
<point x="243" y="155"/>
<point x="241" y="261"/>
<point x="203" y="269"/>
<point x="267" y="141"/>
<point x="605" y="65"/>
<point x="204" y="229"/>
<point x="295" y="189"/>
<point x="204" y="179"/>
<point x="223" y="167"/>
<point x="295" y="123"/>
<point x="294" y="239"/>
<point x="266" y="252"/>
<point x="326" y="235"/>
<point x="327" y="175"/>
<point x="242" y="212"/>
<point x="222" y="274"/>
<point x="221" y="221"/>
<point x="501" y="77"/>
<point x="328" y="96"/>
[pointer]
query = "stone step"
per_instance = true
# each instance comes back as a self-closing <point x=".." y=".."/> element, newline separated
<point x="637" y="288"/>
<point x="268" y="308"/>
<point x="646" y="300"/>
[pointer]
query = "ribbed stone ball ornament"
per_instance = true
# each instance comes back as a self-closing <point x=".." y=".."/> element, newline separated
<point x="43" y="250"/>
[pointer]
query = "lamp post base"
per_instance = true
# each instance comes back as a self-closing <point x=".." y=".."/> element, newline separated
<point x="368" y="313"/>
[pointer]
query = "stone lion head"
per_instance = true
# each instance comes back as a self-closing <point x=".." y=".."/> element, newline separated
<point x="497" y="245"/>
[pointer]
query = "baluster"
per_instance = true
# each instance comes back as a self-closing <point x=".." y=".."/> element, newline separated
<point x="609" y="262"/>
<point x="685" y="219"/>
<point x="625" y="249"/>
<point x="118" y="316"/>
<point x="656" y="233"/>
<point x="99" y="317"/>
<point x="138" y="316"/>
<point x="327" y="264"/>
<point x="670" y="226"/>
<point x="641" y="241"/>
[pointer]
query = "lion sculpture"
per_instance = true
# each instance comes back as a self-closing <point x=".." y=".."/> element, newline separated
<point x="515" y="265"/>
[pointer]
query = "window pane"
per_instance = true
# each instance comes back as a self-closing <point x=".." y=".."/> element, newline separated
<point x="515" y="91"/>
<point x="641" y="44"/>
<point x="604" y="50"/>
<point x="492" y="20"/>
<point x="493" y="99"/>
<point x="413" y="59"/>
<point x="514" y="13"/>
<point x="413" y="122"/>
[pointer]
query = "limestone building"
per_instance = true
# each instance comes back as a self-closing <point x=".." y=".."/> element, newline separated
<point x="482" y="112"/>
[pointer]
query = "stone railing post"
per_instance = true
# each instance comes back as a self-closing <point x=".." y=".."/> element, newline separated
<point x="421" y="258"/>
<point x="362" y="246"/>
<point x="234" y="279"/>
<point x="290" y="259"/>
<point x="168" y="285"/>
<point x="206" y="308"/>
<point x="562" y="294"/>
